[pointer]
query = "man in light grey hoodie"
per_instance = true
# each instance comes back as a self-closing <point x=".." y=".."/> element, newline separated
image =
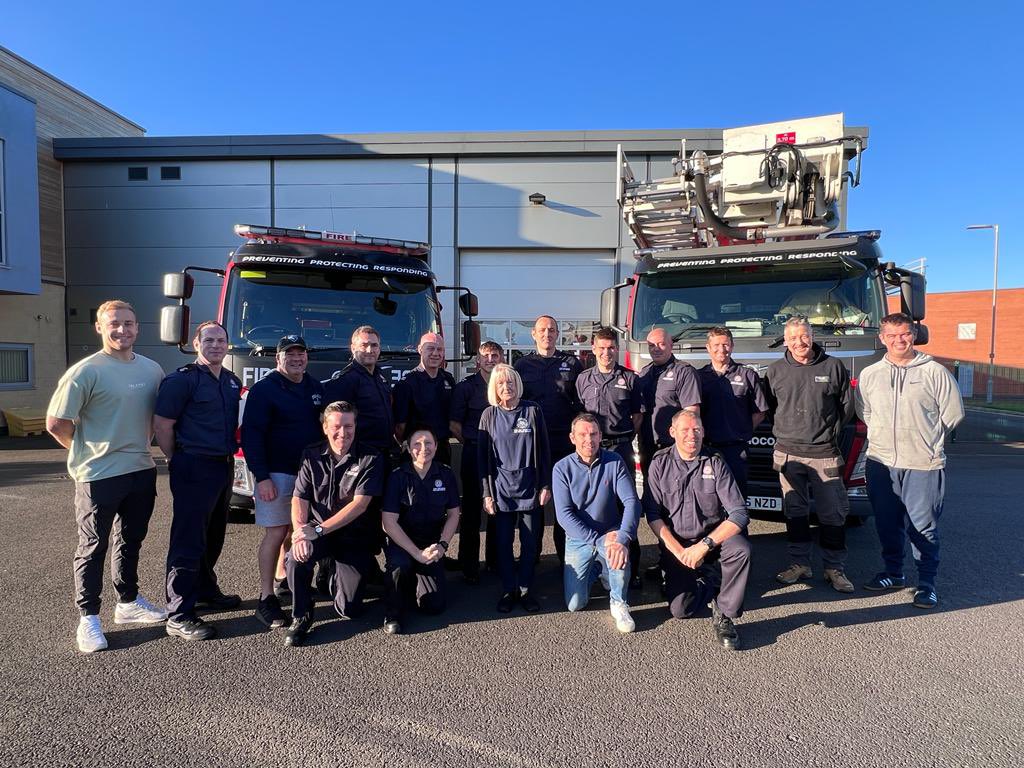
<point x="909" y="403"/>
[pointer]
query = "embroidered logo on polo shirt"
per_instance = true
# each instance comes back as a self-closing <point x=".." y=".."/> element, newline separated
<point x="234" y="385"/>
<point x="352" y="470"/>
<point x="707" y="473"/>
<point x="620" y="384"/>
<point x="670" y="375"/>
<point x="522" y="427"/>
<point x="821" y="379"/>
<point x="439" y="485"/>
<point x="316" y="399"/>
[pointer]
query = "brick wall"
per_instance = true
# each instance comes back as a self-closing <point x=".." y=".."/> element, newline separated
<point x="946" y="310"/>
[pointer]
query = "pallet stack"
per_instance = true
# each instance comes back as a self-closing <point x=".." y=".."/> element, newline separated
<point x="22" y="422"/>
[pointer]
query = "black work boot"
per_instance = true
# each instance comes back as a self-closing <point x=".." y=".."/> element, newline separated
<point x="726" y="632"/>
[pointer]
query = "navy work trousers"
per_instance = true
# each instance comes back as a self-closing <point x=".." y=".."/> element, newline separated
<point x="352" y="561"/>
<point x="472" y="511"/>
<point x="122" y="505"/>
<point x="560" y="448"/>
<point x="907" y="502"/>
<point x="201" y="490"/>
<point x="735" y="456"/>
<point x="531" y="529"/>
<point x="688" y="590"/>
<point x="407" y="578"/>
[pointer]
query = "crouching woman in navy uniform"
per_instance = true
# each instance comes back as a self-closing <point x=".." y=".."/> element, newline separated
<point x="337" y="480"/>
<point x="515" y="476"/>
<point x="420" y="515"/>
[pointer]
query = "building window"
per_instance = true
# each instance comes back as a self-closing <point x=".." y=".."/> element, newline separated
<point x="16" y="367"/>
<point x="3" y="219"/>
<point x="170" y="173"/>
<point x="138" y="173"/>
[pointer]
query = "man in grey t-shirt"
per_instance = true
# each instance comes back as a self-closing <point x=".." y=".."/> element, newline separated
<point x="102" y="412"/>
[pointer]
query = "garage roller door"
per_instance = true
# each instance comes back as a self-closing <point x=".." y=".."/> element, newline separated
<point x="516" y="286"/>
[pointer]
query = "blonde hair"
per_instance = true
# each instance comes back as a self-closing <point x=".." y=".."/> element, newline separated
<point x="113" y="305"/>
<point x="501" y="372"/>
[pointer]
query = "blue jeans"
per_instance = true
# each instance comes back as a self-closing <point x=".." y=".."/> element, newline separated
<point x="581" y="571"/>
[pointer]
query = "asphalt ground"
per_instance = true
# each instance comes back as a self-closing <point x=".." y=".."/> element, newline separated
<point x="824" y="679"/>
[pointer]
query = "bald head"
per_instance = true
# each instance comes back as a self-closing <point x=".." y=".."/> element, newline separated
<point x="545" y="335"/>
<point x="431" y="349"/>
<point x="659" y="345"/>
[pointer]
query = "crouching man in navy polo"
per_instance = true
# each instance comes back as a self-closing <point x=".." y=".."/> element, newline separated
<point x="695" y="509"/>
<point x="337" y="480"/>
<point x="195" y="423"/>
<point x="421" y="514"/>
<point x="588" y="487"/>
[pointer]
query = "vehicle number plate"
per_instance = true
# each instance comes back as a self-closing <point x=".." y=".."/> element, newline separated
<point x="764" y="503"/>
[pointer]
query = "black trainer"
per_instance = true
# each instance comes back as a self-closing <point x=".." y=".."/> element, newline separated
<point x="725" y="630"/>
<point x="190" y="628"/>
<point x="297" y="631"/>
<point x="506" y="603"/>
<point x="218" y="601"/>
<point x="529" y="603"/>
<point x="269" y="613"/>
<point x="392" y="627"/>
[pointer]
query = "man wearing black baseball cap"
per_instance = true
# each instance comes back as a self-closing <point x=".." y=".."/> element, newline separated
<point x="281" y="417"/>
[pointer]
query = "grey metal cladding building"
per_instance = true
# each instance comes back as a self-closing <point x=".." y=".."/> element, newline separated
<point x="138" y="207"/>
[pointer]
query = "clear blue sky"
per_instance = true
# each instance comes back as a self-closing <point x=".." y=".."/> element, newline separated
<point x="939" y="85"/>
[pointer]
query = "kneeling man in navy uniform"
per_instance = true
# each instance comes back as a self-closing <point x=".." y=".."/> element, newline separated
<point x="695" y="509"/>
<point x="337" y="480"/>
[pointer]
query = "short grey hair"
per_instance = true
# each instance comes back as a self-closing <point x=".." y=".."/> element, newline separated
<point x="798" y="321"/>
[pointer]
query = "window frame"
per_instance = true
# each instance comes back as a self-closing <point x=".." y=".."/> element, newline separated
<point x="29" y="350"/>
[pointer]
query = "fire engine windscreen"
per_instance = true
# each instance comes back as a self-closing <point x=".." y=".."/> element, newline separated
<point x="324" y="308"/>
<point x="756" y="301"/>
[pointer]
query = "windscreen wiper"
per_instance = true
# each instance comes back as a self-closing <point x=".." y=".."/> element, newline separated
<point x="695" y="327"/>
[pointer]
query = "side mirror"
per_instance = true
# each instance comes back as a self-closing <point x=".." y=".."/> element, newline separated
<point x="174" y="323"/>
<point x="470" y="337"/>
<point x="912" y="295"/>
<point x="920" y="335"/>
<point x="469" y="304"/>
<point x="610" y="307"/>
<point x="178" y="285"/>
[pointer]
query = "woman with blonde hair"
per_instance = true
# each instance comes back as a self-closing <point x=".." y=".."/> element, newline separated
<point x="515" y="471"/>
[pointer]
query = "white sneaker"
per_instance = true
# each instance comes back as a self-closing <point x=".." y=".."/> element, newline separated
<point x="139" y="611"/>
<point x="90" y="635"/>
<point x="623" y="621"/>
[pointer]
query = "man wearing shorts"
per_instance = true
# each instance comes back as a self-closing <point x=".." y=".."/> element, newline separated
<point x="281" y="418"/>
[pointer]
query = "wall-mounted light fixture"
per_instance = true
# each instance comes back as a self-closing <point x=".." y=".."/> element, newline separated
<point x="537" y="198"/>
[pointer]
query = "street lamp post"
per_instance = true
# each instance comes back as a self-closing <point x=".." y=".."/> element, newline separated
<point x="995" y="287"/>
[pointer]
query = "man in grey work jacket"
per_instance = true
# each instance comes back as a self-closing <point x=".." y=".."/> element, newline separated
<point x="909" y="403"/>
<point x="809" y="395"/>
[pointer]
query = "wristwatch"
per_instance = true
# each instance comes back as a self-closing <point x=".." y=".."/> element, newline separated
<point x="319" y="530"/>
<point x="444" y="544"/>
<point x="708" y="542"/>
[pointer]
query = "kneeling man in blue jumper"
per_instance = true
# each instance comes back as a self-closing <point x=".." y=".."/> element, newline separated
<point x="597" y="505"/>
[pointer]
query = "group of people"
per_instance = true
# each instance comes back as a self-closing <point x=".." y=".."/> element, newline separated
<point x="349" y="468"/>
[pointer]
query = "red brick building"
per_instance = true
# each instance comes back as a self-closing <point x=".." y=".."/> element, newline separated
<point x="953" y="316"/>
